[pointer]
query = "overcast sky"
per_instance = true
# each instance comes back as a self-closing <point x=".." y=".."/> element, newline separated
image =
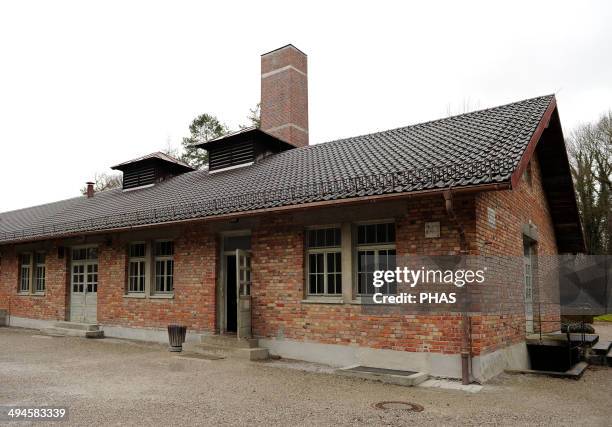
<point x="85" y="85"/>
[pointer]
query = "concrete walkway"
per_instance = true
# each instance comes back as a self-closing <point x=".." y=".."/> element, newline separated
<point x="113" y="382"/>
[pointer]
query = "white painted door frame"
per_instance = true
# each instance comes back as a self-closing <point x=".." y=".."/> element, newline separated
<point x="83" y="288"/>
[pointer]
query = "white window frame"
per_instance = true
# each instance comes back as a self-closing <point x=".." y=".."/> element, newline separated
<point x="31" y="277"/>
<point x="324" y="250"/>
<point x="40" y="266"/>
<point x="27" y="277"/>
<point x="164" y="259"/>
<point x="376" y="248"/>
<point x="135" y="259"/>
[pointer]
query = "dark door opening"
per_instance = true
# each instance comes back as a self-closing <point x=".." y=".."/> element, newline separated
<point x="231" y="309"/>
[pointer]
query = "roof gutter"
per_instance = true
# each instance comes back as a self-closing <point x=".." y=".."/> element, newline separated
<point x="279" y="209"/>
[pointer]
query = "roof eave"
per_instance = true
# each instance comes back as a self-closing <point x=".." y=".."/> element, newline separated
<point x="289" y="208"/>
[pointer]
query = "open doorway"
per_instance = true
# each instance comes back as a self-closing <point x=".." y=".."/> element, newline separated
<point x="231" y="302"/>
<point x="234" y="290"/>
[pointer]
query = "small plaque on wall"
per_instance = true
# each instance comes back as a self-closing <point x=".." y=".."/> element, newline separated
<point x="432" y="230"/>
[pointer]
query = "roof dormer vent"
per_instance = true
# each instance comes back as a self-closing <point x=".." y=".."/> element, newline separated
<point x="149" y="169"/>
<point x="241" y="148"/>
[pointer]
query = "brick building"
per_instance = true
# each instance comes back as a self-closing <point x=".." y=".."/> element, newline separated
<point x="269" y="240"/>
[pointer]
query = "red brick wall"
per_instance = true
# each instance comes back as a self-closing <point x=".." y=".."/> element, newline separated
<point x="195" y="260"/>
<point x="51" y="305"/>
<point x="278" y="287"/>
<point x="513" y="209"/>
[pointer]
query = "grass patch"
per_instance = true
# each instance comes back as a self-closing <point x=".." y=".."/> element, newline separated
<point x="604" y="318"/>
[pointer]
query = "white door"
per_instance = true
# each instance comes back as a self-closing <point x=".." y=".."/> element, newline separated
<point x="528" y="251"/>
<point x="84" y="286"/>
<point x="243" y="293"/>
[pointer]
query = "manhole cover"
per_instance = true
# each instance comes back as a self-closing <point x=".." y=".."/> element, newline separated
<point x="404" y="406"/>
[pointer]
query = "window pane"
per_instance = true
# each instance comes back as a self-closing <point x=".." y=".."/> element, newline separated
<point x="365" y="269"/>
<point x="25" y="259"/>
<point x="322" y="238"/>
<point x="137" y="250"/>
<point x="92" y="253"/>
<point x="136" y="276"/>
<point x="320" y="283"/>
<point x="361" y="234"/>
<point x="40" y="258"/>
<point x="40" y="278"/>
<point x="164" y="248"/>
<point x="79" y="254"/>
<point x="312" y="260"/>
<point x="312" y="283"/>
<point x="386" y="261"/>
<point x="370" y="234"/>
<point x="320" y="261"/>
<point x="164" y="270"/>
<point x="25" y="279"/>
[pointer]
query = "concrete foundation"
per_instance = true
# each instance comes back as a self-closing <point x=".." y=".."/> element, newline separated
<point x="143" y="334"/>
<point x="24" y="322"/>
<point x="484" y="367"/>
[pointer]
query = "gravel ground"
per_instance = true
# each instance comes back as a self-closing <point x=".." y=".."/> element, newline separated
<point x="113" y="382"/>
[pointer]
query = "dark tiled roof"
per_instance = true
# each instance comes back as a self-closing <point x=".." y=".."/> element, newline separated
<point x="158" y="155"/>
<point x="481" y="147"/>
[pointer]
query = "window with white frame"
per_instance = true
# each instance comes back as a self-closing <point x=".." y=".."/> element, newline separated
<point x="375" y="250"/>
<point x="25" y="272"/>
<point x="39" y="272"/>
<point x="164" y="266"/>
<point x="137" y="265"/>
<point x="32" y="273"/>
<point x="324" y="261"/>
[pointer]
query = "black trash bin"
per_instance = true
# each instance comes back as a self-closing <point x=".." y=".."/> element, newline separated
<point x="176" y="336"/>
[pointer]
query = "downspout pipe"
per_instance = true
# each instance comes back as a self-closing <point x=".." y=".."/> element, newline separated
<point x="465" y="319"/>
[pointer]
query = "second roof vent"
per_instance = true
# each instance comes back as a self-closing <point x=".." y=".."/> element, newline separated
<point x="241" y="148"/>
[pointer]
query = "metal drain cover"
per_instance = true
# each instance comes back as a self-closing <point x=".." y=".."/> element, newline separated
<point x="403" y="406"/>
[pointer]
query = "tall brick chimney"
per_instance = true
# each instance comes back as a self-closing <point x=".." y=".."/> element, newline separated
<point x="284" y="95"/>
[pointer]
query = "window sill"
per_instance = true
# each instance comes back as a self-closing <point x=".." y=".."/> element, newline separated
<point x="323" y="300"/>
<point x="162" y="296"/>
<point x="368" y="301"/>
<point x="30" y="294"/>
<point x="138" y="296"/>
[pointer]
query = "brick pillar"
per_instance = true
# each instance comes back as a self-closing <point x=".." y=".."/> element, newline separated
<point x="284" y="95"/>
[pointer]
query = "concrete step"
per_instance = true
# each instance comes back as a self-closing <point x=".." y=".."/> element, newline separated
<point x="229" y="341"/>
<point x="575" y="372"/>
<point x="77" y="326"/>
<point x="389" y="376"/>
<point x="72" y="332"/>
<point x="602" y="347"/>
<point x="256" y="353"/>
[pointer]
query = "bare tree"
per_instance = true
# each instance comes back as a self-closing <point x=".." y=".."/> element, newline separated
<point x="254" y="117"/>
<point x="590" y="149"/>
